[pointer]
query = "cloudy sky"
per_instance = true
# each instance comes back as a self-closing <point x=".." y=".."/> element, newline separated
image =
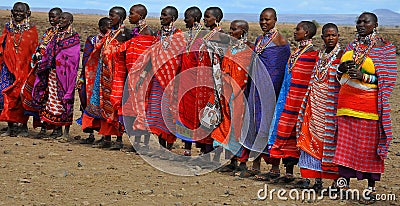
<point x="231" y="6"/>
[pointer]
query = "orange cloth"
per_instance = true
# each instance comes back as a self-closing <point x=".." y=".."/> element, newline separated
<point x="235" y="68"/>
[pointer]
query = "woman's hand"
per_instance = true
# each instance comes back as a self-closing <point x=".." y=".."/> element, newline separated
<point x="345" y="66"/>
<point x="355" y="74"/>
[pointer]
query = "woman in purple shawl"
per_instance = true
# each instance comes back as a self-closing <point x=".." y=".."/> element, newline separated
<point x="272" y="52"/>
<point x="56" y="77"/>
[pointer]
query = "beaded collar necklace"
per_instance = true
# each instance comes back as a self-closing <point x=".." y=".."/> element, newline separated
<point x="18" y="28"/>
<point x="15" y="28"/>
<point x="270" y="35"/>
<point x="111" y="36"/>
<point x="306" y="44"/>
<point x="191" y="38"/>
<point x="140" y="26"/>
<point x="238" y="46"/>
<point x="362" y="46"/>
<point x="166" y="35"/>
<point x="324" y="62"/>
<point x="211" y="33"/>
<point x="62" y="34"/>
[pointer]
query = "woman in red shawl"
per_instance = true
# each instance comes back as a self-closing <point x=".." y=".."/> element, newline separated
<point x="17" y="44"/>
<point x="112" y="79"/>
<point x="196" y="81"/>
<point x="297" y="77"/>
<point x="235" y="68"/>
<point x="316" y="127"/>
<point x="86" y="81"/>
<point x="142" y="38"/>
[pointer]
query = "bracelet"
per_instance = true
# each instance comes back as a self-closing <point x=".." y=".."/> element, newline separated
<point x="370" y="79"/>
<point x="365" y="78"/>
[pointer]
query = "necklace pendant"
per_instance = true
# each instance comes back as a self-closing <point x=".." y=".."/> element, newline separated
<point x="234" y="50"/>
<point x="165" y="44"/>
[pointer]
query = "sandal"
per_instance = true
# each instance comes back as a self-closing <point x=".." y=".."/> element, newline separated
<point x="267" y="176"/>
<point x="187" y="153"/>
<point x="56" y="133"/>
<point x="262" y="177"/>
<point x="88" y="140"/>
<point x="103" y="144"/>
<point x="249" y="173"/>
<point x="227" y="168"/>
<point x="117" y="145"/>
<point x="284" y="179"/>
<point x="303" y="184"/>
<point x="41" y="134"/>
<point x="317" y="187"/>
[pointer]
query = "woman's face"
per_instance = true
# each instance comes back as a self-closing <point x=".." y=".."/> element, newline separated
<point x="54" y="17"/>
<point x="134" y="17"/>
<point x="365" y="25"/>
<point x="19" y="12"/>
<point x="330" y="37"/>
<point x="209" y="19"/>
<point x="65" y="21"/>
<point x="105" y="28"/>
<point x="115" y="17"/>
<point x="267" y="21"/>
<point x="189" y="20"/>
<point x="166" y="17"/>
<point x="299" y="33"/>
<point x="235" y="30"/>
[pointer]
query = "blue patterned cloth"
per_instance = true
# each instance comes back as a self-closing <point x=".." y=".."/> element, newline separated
<point x="279" y="108"/>
<point x="7" y="79"/>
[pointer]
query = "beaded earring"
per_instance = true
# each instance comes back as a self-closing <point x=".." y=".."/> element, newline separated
<point x="217" y="23"/>
<point x="243" y="37"/>
<point x="171" y="25"/>
<point x="122" y="28"/>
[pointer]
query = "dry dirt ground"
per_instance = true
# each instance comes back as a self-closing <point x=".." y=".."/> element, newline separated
<point x="51" y="172"/>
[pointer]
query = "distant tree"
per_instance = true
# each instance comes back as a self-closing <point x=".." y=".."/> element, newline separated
<point x="315" y="22"/>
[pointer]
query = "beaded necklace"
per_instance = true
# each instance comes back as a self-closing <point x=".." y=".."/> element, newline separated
<point x="111" y="36"/>
<point x="362" y="46"/>
<point x="141" y="25"/>
<point x="61" y="34"/>
<point x="306" y="44"/>
<point x="325" y="62"/>
<point x="48" y="37"/>
<point x="269" y="36"/>
<point x="240" y="45"/>
<point x="191" y="38"/>
<point x="211" y="33"/>
<point x="15" y="28"/>
<point x="166" y="35"/>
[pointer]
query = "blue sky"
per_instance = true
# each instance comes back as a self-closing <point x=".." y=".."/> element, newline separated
<point x="231" y="6"/>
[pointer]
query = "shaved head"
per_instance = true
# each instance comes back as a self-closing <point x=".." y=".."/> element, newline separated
<point x="242" y="24"/>
<point x="140" y="9"/>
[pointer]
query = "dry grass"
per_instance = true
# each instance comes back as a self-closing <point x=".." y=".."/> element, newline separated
<point x="87" y="25"/>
